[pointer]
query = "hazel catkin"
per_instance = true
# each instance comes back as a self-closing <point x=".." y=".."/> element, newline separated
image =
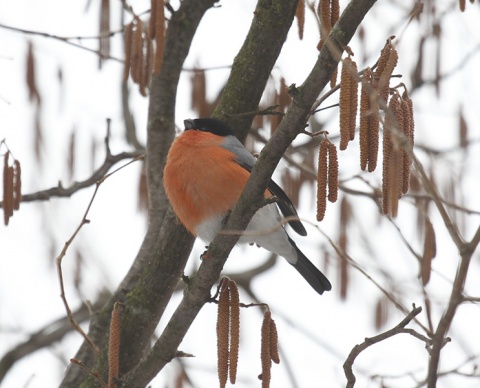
<point x="322" y="177"/>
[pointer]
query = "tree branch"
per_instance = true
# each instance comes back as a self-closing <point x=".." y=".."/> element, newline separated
<point x="432" y="190"/>
<point x="253" y="64"/>
<point x="456" y="298"/>
<point x="60" y="191"/>
<point x="67" y="40"/>
<point x="399" y="329"/>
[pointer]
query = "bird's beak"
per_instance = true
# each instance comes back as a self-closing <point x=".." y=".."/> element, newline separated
<point x="189" y="124"/>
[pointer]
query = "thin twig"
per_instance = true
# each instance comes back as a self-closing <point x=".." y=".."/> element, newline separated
<point x="60" y="191"/>
<point x="68" y="39"/>
<point x="344" y="256"/>
<point x="437" y="199"/>
<point x="62" y="254"/>
<point x="92" y="373"/>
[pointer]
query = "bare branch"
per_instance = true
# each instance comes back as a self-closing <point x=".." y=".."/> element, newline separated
<point x="59" y="191"/>
<point x="62" y="254"/>
<point x="89" y="371"/>
<point x="344" y="256"/>
<point x="399" y="329"/>
<point x="68" y="40"/>
<point x="432" y="190"/>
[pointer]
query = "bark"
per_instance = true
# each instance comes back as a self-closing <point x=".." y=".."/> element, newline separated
<point x="254" y="63"/>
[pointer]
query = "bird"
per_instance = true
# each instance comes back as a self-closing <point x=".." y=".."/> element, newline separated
<point x="205" y="172"/>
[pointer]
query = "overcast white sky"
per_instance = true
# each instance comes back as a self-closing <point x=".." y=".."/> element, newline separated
<point x="316" y="333"/>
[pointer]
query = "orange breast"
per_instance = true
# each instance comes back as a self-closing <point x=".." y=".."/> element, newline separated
<point x="201" y="178"/>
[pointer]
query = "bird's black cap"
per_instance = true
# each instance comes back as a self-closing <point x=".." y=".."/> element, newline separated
<point x="214" y="126"/>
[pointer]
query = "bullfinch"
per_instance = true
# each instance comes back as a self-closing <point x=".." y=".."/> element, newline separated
<point x="207" y="169"/>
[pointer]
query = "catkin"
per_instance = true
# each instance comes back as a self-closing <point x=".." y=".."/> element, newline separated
<point x="399" y="151"/>
<point x="199" y="92"/>
<point x="394" y="183"/>
<point x="274" y="343"/>
<point x="387" y="154"/>
<point x="333" y="80"/>
<point x="143" y="80"/>
<point x="322" y="179"/>
<point x="335" y="12"/>
<point x="7" y="190"/>
<point x="234" y="330"/>
<point x="345" y="106"/>
<point x="114" y="346"/>
<point x="104" y="41"/>
<point x="159" y="36"/>
<point x="364" y="118"/>
<point x="33" y="93"/>
<point x="386" y="74"/>
<point x="429" y="251"/>
<point x="348" y="102"/>
<point x="128" y="50"/>
<point x="332" y="172"/>
<point x="136" y="63"/>
<point x="334" y="15"/>
<point x="153" y="19"/>
<point x="10" y="180"/>
<point x="300" y="15"/>
<point x="353" y="97"/>
<point x="223" y="326"/>
<point x="373" y="129"/>
<point x="149" y="61"/>
<point x="324" y="14"/>
<point x="265" y="349"/>
<point x="382" y="61"/>
<point x="395" y="166"/>
<point x="408" y="130"/>
<point x="17" y="185"/>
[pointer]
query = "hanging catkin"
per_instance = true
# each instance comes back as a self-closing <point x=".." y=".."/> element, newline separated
<point x="364" y="110"/>
<point x="332" y="172"/>
<point x="322" y="177"/>
<point x="408" y="130"/>
<point x="386" y="74"/>
<point x="348" y="102"/>
<point x="223" y="333"/>
<point x="389" y="156"/>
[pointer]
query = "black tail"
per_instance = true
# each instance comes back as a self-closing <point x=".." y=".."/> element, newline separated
<point x="312" y="275"/>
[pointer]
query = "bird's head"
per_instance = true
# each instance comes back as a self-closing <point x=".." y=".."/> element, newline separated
<point x="214" y="126"/>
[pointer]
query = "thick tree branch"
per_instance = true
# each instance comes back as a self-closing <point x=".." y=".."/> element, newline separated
<point x="253" y="64"/>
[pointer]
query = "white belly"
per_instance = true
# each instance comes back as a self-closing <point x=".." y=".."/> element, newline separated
<point x="264" y="229"/>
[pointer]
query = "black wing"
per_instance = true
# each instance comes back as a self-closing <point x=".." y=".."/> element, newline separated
<point x="284" y="203"/>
